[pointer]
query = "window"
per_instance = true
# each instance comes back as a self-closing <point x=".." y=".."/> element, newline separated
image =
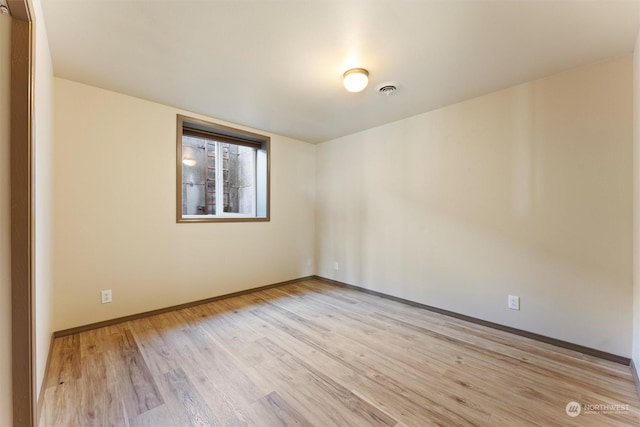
<point x="223" y="173"/>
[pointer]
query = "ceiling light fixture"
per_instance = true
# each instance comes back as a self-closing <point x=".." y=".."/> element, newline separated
<point x="356" y="79"/>
<point x="189" y="162"/>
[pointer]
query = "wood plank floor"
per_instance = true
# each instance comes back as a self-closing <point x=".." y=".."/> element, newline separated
<point x="316" y="354"/>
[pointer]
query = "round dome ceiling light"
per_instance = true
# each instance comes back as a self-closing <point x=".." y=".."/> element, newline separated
<point x="387" y="88"/>
<point x="356" y="79"/>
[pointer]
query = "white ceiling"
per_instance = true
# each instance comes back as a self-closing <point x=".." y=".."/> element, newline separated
<point x="277" y="65"/>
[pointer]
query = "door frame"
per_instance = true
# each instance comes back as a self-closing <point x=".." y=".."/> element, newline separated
<point x="22" y="215"/>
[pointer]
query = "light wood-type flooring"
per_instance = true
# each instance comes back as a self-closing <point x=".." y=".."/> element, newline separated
<point x="317" y="354"/>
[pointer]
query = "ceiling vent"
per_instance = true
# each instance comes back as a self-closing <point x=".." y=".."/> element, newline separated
<point x="388" y="88"/>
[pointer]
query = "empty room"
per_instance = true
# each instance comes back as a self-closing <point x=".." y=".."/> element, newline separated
<point x="319" y="213"/>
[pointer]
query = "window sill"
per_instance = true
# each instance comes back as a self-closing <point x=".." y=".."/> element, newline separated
<point x="222" y="218"/>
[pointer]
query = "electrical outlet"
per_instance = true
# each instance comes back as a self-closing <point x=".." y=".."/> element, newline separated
<point x="514" y="302"/>
<point x="106" y="296"/>
<point x="336" y="266"/>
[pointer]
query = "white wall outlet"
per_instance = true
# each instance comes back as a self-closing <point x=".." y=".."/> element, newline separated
<point x="336" y="266"/>
<point x="514" y="302"/>
<point x="106" y="296"/>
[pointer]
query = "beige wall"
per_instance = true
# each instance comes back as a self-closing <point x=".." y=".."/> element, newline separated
<point x="6" y="411"/>
<point x="43" y="122"/>
<point x="526" y="191"/>
<point x="115" y="225"/>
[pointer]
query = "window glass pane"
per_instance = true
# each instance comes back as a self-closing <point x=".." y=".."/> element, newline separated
<point x="194" y="176"/>
<point x="239" y="179"/>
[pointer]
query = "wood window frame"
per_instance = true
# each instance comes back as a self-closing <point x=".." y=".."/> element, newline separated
<point x="201" y="128"/>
